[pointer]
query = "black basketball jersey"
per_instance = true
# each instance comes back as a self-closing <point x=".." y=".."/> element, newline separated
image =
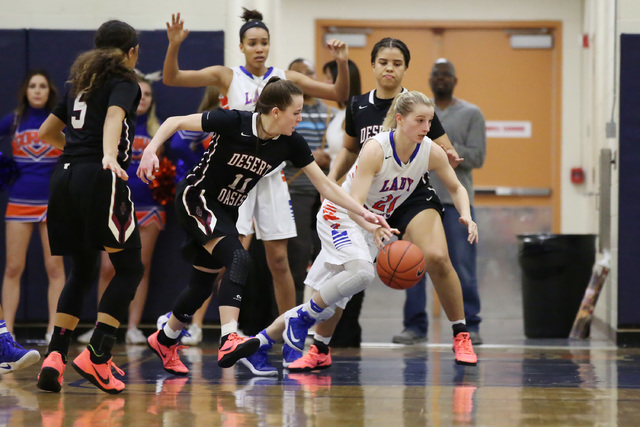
<point x="85" y="118"/>
<point x="236" y="158"/>
<point x="365" y="115"/>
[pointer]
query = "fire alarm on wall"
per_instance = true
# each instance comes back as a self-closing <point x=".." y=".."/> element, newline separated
<point x="577" y="175"/>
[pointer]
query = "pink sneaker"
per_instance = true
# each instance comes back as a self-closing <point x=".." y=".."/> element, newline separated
<point x="50" y="377"/>
<point x="463" y="350"/>
<point x="311" y="361"/>
<point x="235" y="348"/>
<point x="169" y="355"/>
<point x="99" y="374"/>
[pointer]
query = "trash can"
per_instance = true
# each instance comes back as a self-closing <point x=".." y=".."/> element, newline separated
<point x="556" y="269"/>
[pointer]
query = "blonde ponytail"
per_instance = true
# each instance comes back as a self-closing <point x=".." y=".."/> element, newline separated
<point x="403" y="104"/>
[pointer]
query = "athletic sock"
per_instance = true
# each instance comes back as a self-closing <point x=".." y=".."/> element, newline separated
<point x="229" y="328"/>
<point x="324" y="340"/>
<point x="165" y="340"/>
<point x="266" y="343"/>
<point x="322" y="347"/>
<point x="3" y="327"/>
<point x="60" y="341"/>
<point x="459" y="326"/>
<point x="313" y="309"/>
<point x="101" y="343"/>
<point x="170" y="333"/>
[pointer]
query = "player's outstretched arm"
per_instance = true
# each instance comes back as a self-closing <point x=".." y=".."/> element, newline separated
<point x="439" y="163"/>
<point x="330" y="190"/>
<point x="149" y="162"/>
<point x="217" y="75"/>
<point x="338" y="91"/>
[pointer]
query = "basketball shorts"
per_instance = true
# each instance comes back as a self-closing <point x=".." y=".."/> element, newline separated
<point x="89" y="208"/>
<point x="202" y="217"/>
<point x="423" y="197"/>
<point x="268" y="210"/>
<point x="342" y="240"/>
<point x="26" y="210"/>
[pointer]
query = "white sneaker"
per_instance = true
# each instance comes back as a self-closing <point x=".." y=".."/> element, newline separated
<point x="86" y="337"/>
<point x="135" y="336"/>
<point x="196" y="335"/>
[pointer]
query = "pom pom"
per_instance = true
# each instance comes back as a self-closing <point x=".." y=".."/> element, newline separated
<point x="163" y="187"/>
<point x="9" y="172"/>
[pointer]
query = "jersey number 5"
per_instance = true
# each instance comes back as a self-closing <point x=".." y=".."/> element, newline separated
<point x="81" y="108"/>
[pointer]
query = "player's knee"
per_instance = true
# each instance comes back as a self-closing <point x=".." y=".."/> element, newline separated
<point x="128" y="265"/>
<point x="279" y="265"/>
<point x="438" y="263"/>
<point x="356" y="282"/>
<point x="14" y="269"/>
<point x="364" y="270"/>
<point x="367" y="275"/>
<point x="240" y="266"/>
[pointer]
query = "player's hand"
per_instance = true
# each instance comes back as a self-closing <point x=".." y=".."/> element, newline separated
<point x="375" y="219"/>
<point x="453" y="156"/>
<point x="111" y="163"/>
<point x="175" y="31"/>
<point x="454" y="159"/>
<point x="382" y="235"/>
<point x="339" y="49"/>
<point x="149" y="164"/>
<point x="472" y="227"/>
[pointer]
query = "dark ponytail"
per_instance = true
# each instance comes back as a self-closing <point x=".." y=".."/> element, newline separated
<point x="113" y="40"/>
<point x="277" y="93"/>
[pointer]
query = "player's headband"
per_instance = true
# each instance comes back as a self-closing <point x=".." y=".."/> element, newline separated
<point x="252" y="24"/>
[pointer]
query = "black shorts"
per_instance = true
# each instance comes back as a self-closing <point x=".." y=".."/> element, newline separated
<point x="423" y="197"/>
<point x="202" y="217"/>
<point x="89" y="209"/>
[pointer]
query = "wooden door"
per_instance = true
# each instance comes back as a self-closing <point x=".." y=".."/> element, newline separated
<point x="519" y="85"/>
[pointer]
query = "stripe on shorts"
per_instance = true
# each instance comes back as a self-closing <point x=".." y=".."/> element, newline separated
<point x="121" y="231"/>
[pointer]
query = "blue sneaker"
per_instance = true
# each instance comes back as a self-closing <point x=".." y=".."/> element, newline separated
<point x="289" y="355"/>
<point x="258" y="364"/>
<point x="13" y="356"/>
<point x="162" y="320"/>
<point x="296" y="326"/>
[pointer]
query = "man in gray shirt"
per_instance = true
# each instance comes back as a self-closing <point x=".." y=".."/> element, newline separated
<point x="465" y="126"/>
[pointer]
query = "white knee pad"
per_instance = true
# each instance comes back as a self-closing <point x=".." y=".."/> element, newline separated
<point x="353" y="279"/>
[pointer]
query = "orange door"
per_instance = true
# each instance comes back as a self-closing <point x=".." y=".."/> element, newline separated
<point x="519" y="85"/>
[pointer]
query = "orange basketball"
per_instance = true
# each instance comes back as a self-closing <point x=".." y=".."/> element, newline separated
<point x="400" y="264"/>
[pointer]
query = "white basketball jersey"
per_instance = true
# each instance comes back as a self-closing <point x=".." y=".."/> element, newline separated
<point x="395" y="181"/>
<point x="245" y="88"/>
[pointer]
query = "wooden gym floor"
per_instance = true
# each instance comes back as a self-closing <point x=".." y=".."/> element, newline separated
<point x="540" y="382"/>
<point x="518" y="381"/>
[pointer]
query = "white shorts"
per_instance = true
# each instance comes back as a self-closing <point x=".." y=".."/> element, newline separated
<point x="268" y="206"/>
<point x="342" y="240"/>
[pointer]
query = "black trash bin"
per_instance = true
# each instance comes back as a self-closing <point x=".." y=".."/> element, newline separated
<point x="556" y="269"/>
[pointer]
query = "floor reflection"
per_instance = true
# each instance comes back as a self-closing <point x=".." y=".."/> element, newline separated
<point x="376" y="385"/>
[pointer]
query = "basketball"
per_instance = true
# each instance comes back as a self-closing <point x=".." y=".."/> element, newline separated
<point x="400" y="264"/>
